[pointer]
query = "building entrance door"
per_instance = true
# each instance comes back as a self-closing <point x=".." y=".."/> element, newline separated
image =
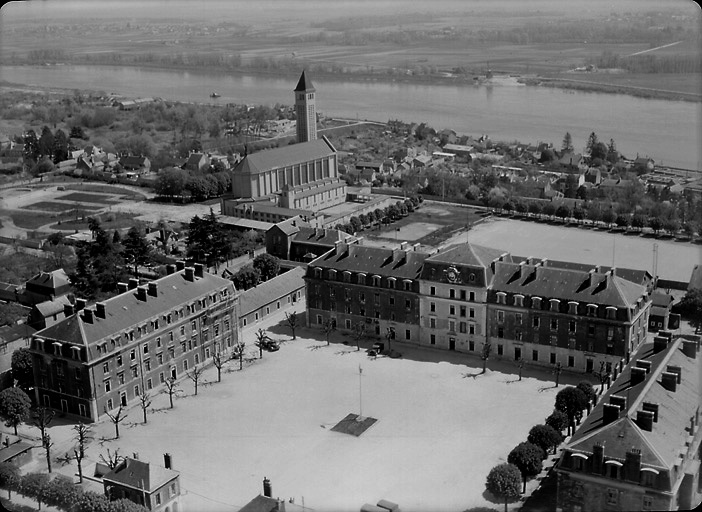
<point x="452" y="343"/>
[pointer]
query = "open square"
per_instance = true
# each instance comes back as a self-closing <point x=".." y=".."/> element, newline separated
<point x="442" y="426"/>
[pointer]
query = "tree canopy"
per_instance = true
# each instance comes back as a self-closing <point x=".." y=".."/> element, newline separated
<point x="247" y="277"/>
<point x="15" y="407"/>
<point x="528" y="458"/>
<point x="545" y="437"/>
<point x="208" y="242"/>
<point x="22" y="369"/>
<point x="504" y="482"/>
<point x="571" y="401"/>
<point x="267" y="265"/>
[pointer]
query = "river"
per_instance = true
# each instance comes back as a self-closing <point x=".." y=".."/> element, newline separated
<point x="667" y="131"/>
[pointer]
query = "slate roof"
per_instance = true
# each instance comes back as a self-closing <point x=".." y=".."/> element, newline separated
<point x="263" y="504"/>
<point x="637" y="276"/>
<point x="565" y="284"/>
<point x="327" y="237"/>
<point x="10" y="333"/>
<point x="469" y="255"/>
<point x="287" y="226"/>
<point x="194" y="160"/>
<point x="133" y="161"/>
<point x="265" y="293"/>
<point x="54" y="279"/>
<point x="51" y="307"/>
<point x="124" y="311"/>
<point x="661" y="446"/>
<point x="374" y="260"/>
<point x="304" y="84"/>
<point x="140" y="475"/>
<point x="294" y="154"/>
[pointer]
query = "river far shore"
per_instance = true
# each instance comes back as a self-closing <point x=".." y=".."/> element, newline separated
<point x="532" y="80"/>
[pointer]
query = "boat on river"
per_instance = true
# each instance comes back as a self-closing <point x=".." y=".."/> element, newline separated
<point x="215" y="95"/>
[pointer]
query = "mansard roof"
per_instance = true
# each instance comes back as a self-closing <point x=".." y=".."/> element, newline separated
<point x="373" y="260"/>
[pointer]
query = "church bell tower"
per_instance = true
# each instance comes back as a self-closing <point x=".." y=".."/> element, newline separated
<point x="305" y="110"/>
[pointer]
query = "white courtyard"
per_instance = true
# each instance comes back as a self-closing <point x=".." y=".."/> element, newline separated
<point x="439" y="431"/>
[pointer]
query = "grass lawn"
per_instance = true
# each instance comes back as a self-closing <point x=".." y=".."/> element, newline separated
<point x="88" y="198"/>
<point x="51" y="206"/>
<point x="441" y="427"/>
<point x="31" y="220"/>
<point x="107" y="189"/>
<point x="120" y="220"/>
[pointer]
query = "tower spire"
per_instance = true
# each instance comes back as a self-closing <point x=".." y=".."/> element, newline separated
<point x="305" y="109"/>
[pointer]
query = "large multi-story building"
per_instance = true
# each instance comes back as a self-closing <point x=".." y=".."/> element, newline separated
<point x="105" y="356"/>
<point x="551" y="313"/>
<point x="640" y="448"/>
<point x="453" y="297"/>
<point x="292" y="240"/>
<point x="378" y="287"/>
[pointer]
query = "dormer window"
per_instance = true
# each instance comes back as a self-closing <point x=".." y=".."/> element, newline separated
<point x="391" y="282"/>
<point x="332" y="274"/>
<point x="57" y="349"/>
<point x="573" y="308"/>
<point x="501" y="298"/>
<point x="519" y="300"/>
<point x="361" y="278"/>
<point x="555" y="303"/>
<point x="376" y="280"/>
<point x="536" y="302"/>
<point x="611" y="312"/>
<point x="407" y="285"/>
<point x="592" y="310"/>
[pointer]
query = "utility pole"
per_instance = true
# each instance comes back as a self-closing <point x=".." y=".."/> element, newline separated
<point x="360" y="392"/>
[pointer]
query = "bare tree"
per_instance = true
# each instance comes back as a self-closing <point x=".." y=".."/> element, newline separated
<point x="291" y="318"/>
<point x="238" y="353"/>
<point x="42" y="419"/>
<point x="82" y="437"/>
<point x="145" y="401"/>
<point x="328" y="327"/>
<point x="112" y="460"/>
<point x="195" y="375"/>
<point x="603" y="376"/>
<point x="219" y="361"/>
<point x="520" y="366"/>
<point x="485" y="354"/>
<point x="116" y="418"/>
<point x="261" y="339"/>
<point x="172" y="388"/>
<point x="557" y="372"/>
<point x="389" y="335"/>
<point x="359" y="332"/>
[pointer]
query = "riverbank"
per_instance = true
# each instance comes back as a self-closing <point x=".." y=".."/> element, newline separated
<point x="432" y="79"/>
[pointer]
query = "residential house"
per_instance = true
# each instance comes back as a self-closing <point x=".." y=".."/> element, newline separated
<point x="648" y="164"/>
<point x="47" y="286"/>
<point x="639" y="449"/>
<point x="133" y="163"/>
<point x="154" y="487"/>
<point x="572" y="160"/>
<point x="371" y="286"/>
<point x="403" y="153"/>
<point x="197" y="162"/>
<point x="102" y="357"/>
<point x="374" y="167"/>
<point x="279" y="294"/>
<point x="291" y="240"/>
<point x="49" y="312"/>
<point x="421" y="161"/>
<point x="549" y="313"/>
<point x="453" y="297"/>
<point x="659" y="319"/>
<point x="12" y="337"/>
<point x="447" y="136"/>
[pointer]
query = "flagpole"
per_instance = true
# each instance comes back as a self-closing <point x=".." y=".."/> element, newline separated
<point x="360" y="391"/>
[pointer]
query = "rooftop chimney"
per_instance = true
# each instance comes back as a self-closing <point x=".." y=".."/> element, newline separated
<point x="676" y="370"/>
<point x="133" y="283"/>
<point x="637" y="375"/>
<point x="100" y="310"/>
<point x="170" y="269"/>
<point x="180" y="265"/>
<point x="666" y="334"/>
<point x="141" y="294"/>
<point x="80" y="304"/>
<point x="597" y="457"/>
<point x="689" y="348"/>
<point x="167" y="461"/>
<point x="199" y="270"/>
<point x="416" y="246"/>
<point x="659" y="344"/>
<point x="669" y="381"/>
<point x="644" y="420"/>
<point x="153" y="289"/>
<point x="88" y="316"/>
<point x="619" y="401"/>
<point x="652" y="408"/>
<point x="267" y="488"/>
<point x="67" y="310"/>
<point x="122" y="287"/>
<point x="610" y="413"/>
<point x="645" y="364"/>
<point x="632" y="465"/>
<point x="189" y="274"/>
<point x="340" y="247"/>
<point x="403" y="246"/>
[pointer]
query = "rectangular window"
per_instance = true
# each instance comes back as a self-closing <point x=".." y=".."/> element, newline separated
<point x="158" y="498"/>
<point x="347" y="323"/>
<point x="534" y="355"/>
<point x="471" y="328"/>
<point x="407" y="334"/>
<point x="119" y="360"/>
<point x="182" y="330"/>
<point x="500" y="349"/>
<point x="145" y="348"/>
<point x="120" y="378"/>
<point x="132" y="355"/>
<point x="135" y="371"/>
<point x="518" y="319"/>
<point x="590" y="329"/>
<point x="472" y="296"/>
<point x="500" y="332"/>
<point x="108" y="386"/>
<point x="161" y="378"/>
<point x="159" y="358"/>
<point x="471" y="346"/>
<point x="553" y="358"/>
<point x="432" y="290"/>
<point x="571" y="361"/>
<point x="518" y="334"/>
<point x="462" y="327"/>
<point x="185" y="365"/>
<point x="105" y="367"/>
<point x="452" y="310"/>
<point x="463" y="311"/>
<point x="452" y="325"/>
<point x="554" y="324"/>
<point x="432" y="339"/>
<point x="136" y="390"/>
<point x="149" y="384"/>
<point x="392" y="300"/>
<point x="647" y="503"/>
<point x="158" y="342"/>
<point x="571" y="326"/>
<point x="408" y="304"/>
<point x="463" y="295"/>
<point x="432" y="307"/>
<point x="471" y="313"/>
<point x="147" y="365"/>
<point x="452" y="293"/>
<point x="432" y="323"/>
<point x="536" y="323"/>
<point x="500" y="316"/>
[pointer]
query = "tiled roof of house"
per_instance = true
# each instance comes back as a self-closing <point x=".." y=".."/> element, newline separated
<point x="263" y="504"/>
<point x="309" y="235"/>
<point x="194" y="159"/>
<point x="304" y="84"/>
<point x="125" y="310"/>
<point x="51" y="307"/>
<point x="10" y="333"/>
<point x="140" y="475"/>
<point x="265" y="293"/>
<point x="374" y="260"/>
<point x="565" y="284"/>
<point x="288" y="226"/>
<point x="662" y="445"/>
<point x="54" y="279"/>
<point x="294" y="154"/>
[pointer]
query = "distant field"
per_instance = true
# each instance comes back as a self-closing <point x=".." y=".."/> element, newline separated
<point x="687" y="83"/>
<point x="107" y="189"/>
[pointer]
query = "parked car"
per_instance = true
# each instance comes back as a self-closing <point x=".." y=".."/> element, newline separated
<point x="271" y="345"/>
